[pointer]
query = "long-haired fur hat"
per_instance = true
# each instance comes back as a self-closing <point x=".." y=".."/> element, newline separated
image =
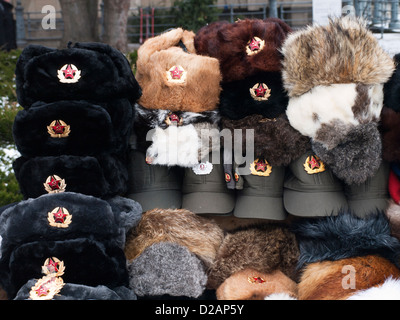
<point x="201" y="236"/>
<point x="263" y="247"/>
<point x="83" y="71"/>
<point x="175" y="79"/>
<point x="245" y="47"/>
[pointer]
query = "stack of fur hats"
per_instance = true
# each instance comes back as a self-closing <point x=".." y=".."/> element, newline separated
<point x="334" y="77"/>
<point x="66" y="239"/>
<point x="253" y="100"/>
<point x="177" y="126"/>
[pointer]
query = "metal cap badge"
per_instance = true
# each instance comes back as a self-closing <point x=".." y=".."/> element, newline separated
<point x="54" y="184"/>
<point x="68" y="73"/>
<point x="58" y="129"/>
<point x="254" y="46"/>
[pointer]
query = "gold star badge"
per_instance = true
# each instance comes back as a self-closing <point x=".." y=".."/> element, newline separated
<point x="58" y="129"/>
<point x="53" y="266"/>
<point x="176" y="74"/>
<point x="46" y="288"/>
<point x="69" y="73"/>
<point x="260" y="92"/>
<point x="313" y="164"/>
<point x="260" y="168"/>
<point x="254" y="46"/>
<point x="59" y="217"/>
<point x="255" y="280"/>
<point x="54" y="184"/>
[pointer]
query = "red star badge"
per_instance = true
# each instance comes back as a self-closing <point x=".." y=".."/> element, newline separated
<point x="52" y="266"/>
<point x="59" y="216"/>
<point x="176" y="73"/>
<point x="261" y="166"/>
<point x="254" y="45"/>
<point x="58" y="128"/>
<point x="260" y="91"/>
<point x="69" y="73"/>
<point x="255" y="280"/>
<point x="54" y="183"/>
<point x="42" y="291"/>
<point x="313" y="163"/>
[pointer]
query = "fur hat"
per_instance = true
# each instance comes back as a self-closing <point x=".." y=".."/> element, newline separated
<point x="262" y="93"/>
<point x="263" y="247"/>
<point x="73" y="127"/>
<point x="389" y="290"/>
<point x="344" y="51"/>
<point x="250" y="284"/>
<point x="167" y="268"/>
<point x="72" y="291"/>
<point x="68" y="215"/>
<point x="331" y="280"/>
<point x="391" y="88"/>
<point x="176" y="78"/>
<point x="84" y="71"/>
<point x="390" y="130"/>
<point x="102" y="176"/>
<point x="274" y="139"/>
<point x="86" y="261"/>
<point x="245" y="47"/>
<point x="201" y="236"/>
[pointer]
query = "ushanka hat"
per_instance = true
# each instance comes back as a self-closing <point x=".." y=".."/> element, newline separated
<point x="200" y="235"/>
<point x="174" y="77"/>
<point x="245" y="47"/>
<point x="167" y="268"/>
<point x="83" y="71"/>
<point x="73" y="128"/>
<point x="334" y="77"/>
<point x="101" y="176"/>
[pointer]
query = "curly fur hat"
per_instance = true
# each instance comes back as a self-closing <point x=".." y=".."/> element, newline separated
<point x="72" y="291"/>
<point x="73" y="127"/>
<point x="84" y="71"/>
<point x="101" y="176"/>
<point x="274" y="139"/>
<point x="201" y="236"/>
<point x="262" y="94"/>
<point x="174" y="78"/>
<point x="264" y="247"/>
<point x="167" y="268"/>
<point x="244" y="48"/>
<point x="344" y="51"/>
<point x="86" y="261"/>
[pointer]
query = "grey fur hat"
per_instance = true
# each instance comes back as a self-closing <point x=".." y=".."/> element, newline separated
<point x="167" y="268"/>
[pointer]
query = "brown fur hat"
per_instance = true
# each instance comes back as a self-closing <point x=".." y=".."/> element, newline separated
<point x="175" y="79"/>
<point x="231" y="44"/>
<point x="274" y="139"/>
<point x="344" y="51"/>
<point x="200" y="235"/>
<point x="250" y="284"/>
<point x="263" y="247"/>
<point x="326" y="280"/>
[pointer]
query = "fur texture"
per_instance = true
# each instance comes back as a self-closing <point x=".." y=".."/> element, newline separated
<point x="393" y="214"/>
<point x="105" y="74"/>
<point x="167" y="268"/>
<point x="392" y="87"/>
<point x="93" y="130"/>
<point x="389" y="290"/>
<point x="264" y="247"/>
<point x="239" y="287"/>
<point x="236" y="102"/>
<point x="201" y="236"/>
<point x="345" y="236"/>
<point x="274" y="139"/>
<point x="86" y="261"/>
<point x="324" y="280"/>
<point x="199" y="92"/>
<point x="231" y="39"/>
<point x="102" y="176"/>
<point x="344" y="51"/>
<point x="390" y="130"/>
<point x="357" y="157"/>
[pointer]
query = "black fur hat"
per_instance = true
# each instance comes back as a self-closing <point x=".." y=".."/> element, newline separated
<point x="86" y="261"/>
<point x="391" y="88"/>
<point x="73" y="127"/>
<point x="262" y="93"/>
<point x="102" y="176"/>
<point x="84" y="71"/>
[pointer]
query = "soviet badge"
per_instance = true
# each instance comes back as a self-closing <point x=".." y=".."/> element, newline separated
<point x="313" y="164"/>
<point x="254" y="46"/>
<point x="54" y="184"/>
<point x="260" y="92"/>
<point x="46" y="288"/>
<point x="53" y="266"/>
<point x="59" y="217"/>
<point x="255" y="280"/>
<point x="173" y="119"/>
<point x="68" y="73"/>
<point x="260" y="168"/>
<point x="202" y="168"/>
<point x="176" y="74"/>
<point x="58" y="129"/>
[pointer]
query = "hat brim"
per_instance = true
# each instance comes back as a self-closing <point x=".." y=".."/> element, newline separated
<point x="209" y="202"/>
<point x="315" y="204"/>
<point x="163" y="199"/>
<point x="364" y="207"/>
<point x="260" y="207"/>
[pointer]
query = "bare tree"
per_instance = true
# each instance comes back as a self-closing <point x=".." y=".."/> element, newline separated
<point x="115" y="23"/>
<point x="80" y="21"/>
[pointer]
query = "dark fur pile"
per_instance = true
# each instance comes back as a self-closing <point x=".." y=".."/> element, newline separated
<point x="391" y="88"/>
<point x="390" y="130"/>
<point x="93" y="129"/>
<point x="105" y="74"/>
<point x="274" y="140"/>
<point x="236" y="101"/>
<point x="231" y="40"/>
<point x="103" y="176"/>
<point x="345" y="236"/>
<point x="263" y="247"/>
<point x="357" y="158"/>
